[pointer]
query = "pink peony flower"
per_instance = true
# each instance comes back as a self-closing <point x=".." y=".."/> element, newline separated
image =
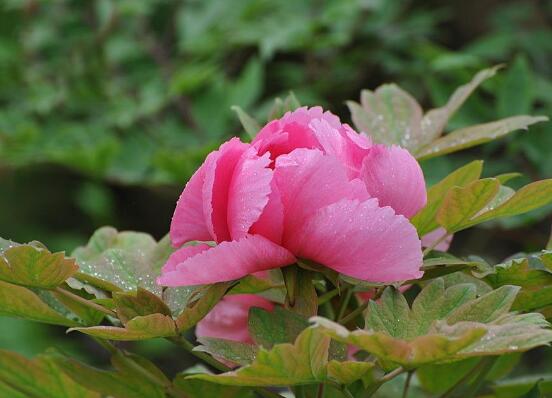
<point x="229" y="318"/>
<point x="306" y="187"/>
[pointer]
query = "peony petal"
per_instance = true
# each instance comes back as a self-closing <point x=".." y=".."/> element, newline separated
<point x="362" y="240"/>
<point x="249" y="192"/>
<point x="219" y="170"/>
<point x="228" y="261"/>
<point x="392" y="175"/>
<point x="271" y="222"/>
<point x="229" y="318"/>
<point x="307" y="181"/>
<point x="181" y="255"/>
<point x="188" y="222"/>
<point x="429" y="239"/>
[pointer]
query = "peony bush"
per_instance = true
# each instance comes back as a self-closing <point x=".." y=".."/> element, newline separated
<point x="309" y="261"/>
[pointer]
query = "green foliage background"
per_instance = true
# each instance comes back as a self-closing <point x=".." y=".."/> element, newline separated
<point x="107" y="107"/>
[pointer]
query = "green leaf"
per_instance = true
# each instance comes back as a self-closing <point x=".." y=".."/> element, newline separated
<point x="529" y="274"/>
<point x="527" y="198"/>
<point x="268" y="328"/>
<point x="138" y="328"/>
<point x="425" y="220"/>
<point x="390" y="116"/>
<point x="520" y="386"/>
<point x="240" y="353"/>
<point x="439" y="378"/>
<point x="250" y="125"/>
<point x="303" y="362"/>
<point x="20" y="302"/>
<point x="435" y="120"/>
<point x="462" y="203"/>
<point x="139" y="303"/>
<point x="252" y="285"/>
<point x="37" y="378"/>
<point x="121" y="382"/>
<point x="442" y="325"/>
<point x="35" y="267"/>
<point x="127" y="260"/>
<point x="516" y="92"/>
<point x="191" y="315"/>
<point x="86" y="315"/>
<point x="348" y="372"/>
<point x="475" y="135"/>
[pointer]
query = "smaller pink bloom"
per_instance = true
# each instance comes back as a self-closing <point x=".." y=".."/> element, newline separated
<point x="229" y="318"/>
<point x="429" y="239"/>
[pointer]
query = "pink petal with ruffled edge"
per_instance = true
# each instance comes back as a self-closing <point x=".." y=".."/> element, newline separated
<point x="429" y="239"/>
<point x="249" y="192"/>
<point x="229" y="318"/>
<point x="392" y="175"/>
<point x="228" y="261"/>
<point x="271" y="222"/>
<point x="307" y="181"/>
<point x="181" y="255"/>
<point x="188" y="222"/>
<point x="219" y="170"/>
<point x="362" y="240"/>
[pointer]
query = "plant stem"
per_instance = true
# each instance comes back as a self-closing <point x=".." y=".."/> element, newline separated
<point x="182" y="342"/>
<point x="407" y="384"/>
<point x="346" y="392"/>
<point x="85" y="302"/>
<point x="328" y="296"/>
<point x="391" y="375"/>
<point x="320" y="393"/>
<point x="345" y="303"/>
<point x="353" y="314"/>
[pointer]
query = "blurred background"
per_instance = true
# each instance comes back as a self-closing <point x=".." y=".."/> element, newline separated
<point x="107" y="107"/>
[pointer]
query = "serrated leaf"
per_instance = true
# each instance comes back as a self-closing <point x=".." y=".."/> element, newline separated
<point x="234" y="351"/>
<point x="28" y="265"/>
<point x="389" y="115"/>
<point x="424" y="220"/>
<point x="535" y="281"/>
<point x="442" y="325"/>
<point x="268" y="328"/>
<point x="138" y="328"/>
<point x="20" y="302"/>
<point x="139" y="303"/>
<point x="462" y="203"/>
<point x="37" y="378"/>
<point x="192" y="314"/>
<point x="475" y="135"/>
<point x="435" y="120"/>
<point x="303" y="362"/>
<point x="250" y="125"/>
<point x="125" y="259"/>
<point x="119" y="383"/>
